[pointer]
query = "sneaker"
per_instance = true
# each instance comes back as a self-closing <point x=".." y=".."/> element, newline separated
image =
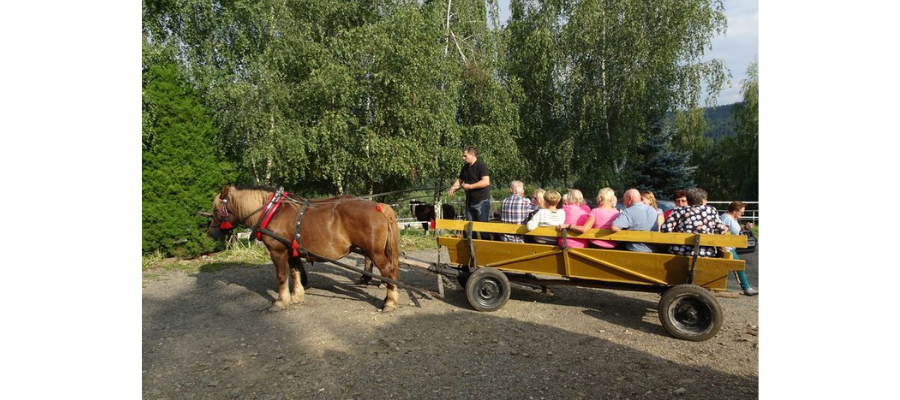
<point x="751" y="292"/>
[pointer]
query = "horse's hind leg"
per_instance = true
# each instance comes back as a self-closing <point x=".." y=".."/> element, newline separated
<point x="392" y="299"/>
<point x="299" y="279"/>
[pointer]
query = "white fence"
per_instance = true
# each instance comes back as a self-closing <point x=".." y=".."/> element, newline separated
<point x="751" y="213"/>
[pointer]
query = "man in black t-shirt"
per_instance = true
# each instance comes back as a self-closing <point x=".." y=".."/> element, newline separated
<point x="475" y="179"/>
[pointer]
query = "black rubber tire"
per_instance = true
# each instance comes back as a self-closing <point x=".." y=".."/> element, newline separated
<point x="690" y="312"/>
<point x="487" y="289"/>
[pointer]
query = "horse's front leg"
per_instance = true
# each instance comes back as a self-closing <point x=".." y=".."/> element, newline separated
<point x="299" y="278"/>
<point x="280" y="259"/>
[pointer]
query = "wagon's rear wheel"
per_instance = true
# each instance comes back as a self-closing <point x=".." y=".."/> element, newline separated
<point x="690" y="312"/>
<point x="487" y="289"/>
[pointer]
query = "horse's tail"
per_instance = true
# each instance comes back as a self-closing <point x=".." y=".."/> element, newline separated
<point x="392" y="247"/>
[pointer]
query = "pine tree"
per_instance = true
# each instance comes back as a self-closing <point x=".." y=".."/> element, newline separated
<point x="664" y="170"/>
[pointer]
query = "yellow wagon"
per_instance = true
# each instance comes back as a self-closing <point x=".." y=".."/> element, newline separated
<point x="687" y="309"/>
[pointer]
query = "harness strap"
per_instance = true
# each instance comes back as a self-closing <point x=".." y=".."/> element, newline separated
<point x="274" y="202"/>
<point x="297" y="246"/>
<point x="283" y="241"/>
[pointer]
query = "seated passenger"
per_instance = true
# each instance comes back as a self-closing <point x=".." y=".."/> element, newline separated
<point x="680" y="200"/>
<point x="575" y="215"/>
<point x="599" y="218"/>
<point x="697" y="217"/>
<point x="730" y="220"/>
<point x="649" y="199"/>
<point x="637" y="216"/>
<point x="547" y="217"/>
<point x="513" y="210"/>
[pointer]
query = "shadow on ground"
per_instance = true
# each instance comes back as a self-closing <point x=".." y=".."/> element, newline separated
<point x="209" y="336"/>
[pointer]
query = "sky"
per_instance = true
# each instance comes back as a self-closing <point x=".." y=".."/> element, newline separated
<point x="737" y="48"/>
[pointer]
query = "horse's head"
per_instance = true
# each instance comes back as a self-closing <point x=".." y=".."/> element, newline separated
<point x="223" y="220"/>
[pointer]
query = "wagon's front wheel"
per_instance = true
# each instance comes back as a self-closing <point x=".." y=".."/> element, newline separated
<point x="487" y="289"/>
<point x="690" y="312"/>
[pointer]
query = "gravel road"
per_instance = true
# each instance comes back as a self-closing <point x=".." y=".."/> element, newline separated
<point x="207" y="335"/>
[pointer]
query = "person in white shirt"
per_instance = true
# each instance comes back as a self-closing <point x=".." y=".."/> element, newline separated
<point x="547" y="217"/>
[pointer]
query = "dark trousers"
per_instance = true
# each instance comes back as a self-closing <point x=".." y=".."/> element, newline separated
<point x="479" y="212"/>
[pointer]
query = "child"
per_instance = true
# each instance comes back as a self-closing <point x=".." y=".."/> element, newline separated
<point x="547" y="217"/>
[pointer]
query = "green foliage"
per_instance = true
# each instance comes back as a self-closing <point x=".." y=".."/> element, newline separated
<point x="596" y="74"/>
<point x="180" y="168"/>
<point x="332" y="97"/>
<point x="729" y="168"/>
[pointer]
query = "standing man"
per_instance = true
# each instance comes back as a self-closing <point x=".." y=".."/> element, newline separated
<point x="475" y="179"/>
<point x="637" y="216"/>
<point x="514" y="209"/>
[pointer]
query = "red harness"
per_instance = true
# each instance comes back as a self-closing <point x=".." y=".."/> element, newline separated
<point x="268" y="216"/>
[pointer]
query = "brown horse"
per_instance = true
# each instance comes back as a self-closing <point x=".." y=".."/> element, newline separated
<point x="328" y="227"/>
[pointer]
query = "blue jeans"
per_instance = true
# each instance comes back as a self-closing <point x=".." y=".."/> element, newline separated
<point x="479" y="212"/>
<point x="741" y="275"/>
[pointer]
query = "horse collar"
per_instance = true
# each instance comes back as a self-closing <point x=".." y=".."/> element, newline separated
<point x="274" y="202"/>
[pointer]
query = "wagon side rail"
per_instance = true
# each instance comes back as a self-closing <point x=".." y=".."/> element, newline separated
<point x="738" y="241"/>
<point x="641" y="271"/>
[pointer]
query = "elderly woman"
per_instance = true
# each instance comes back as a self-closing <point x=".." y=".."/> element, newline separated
<point x="575" y="215"/>
<point x="601" y="217"/>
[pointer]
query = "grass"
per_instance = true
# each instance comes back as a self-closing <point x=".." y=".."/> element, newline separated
<point x="416" y="239"/>
<point x="247" y="254"/>
<point x="243" y="254"/>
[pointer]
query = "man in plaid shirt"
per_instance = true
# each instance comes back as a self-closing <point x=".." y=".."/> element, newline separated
<point x="514" y="209"/>
<point x="695" y="218"/>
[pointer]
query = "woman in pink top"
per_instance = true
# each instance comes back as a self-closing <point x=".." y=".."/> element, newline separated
<point x="575" y="215"/>
<point x="604" y="215"/>
<point x="601" y="217"/>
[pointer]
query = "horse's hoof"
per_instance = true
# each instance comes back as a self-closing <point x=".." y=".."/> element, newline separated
<point x="297" y="300"/>
<point x="277" y="306"/>
<point x="388" y="308"/>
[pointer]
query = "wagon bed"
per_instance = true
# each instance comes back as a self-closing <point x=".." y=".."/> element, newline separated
<point x="687" y="309"/>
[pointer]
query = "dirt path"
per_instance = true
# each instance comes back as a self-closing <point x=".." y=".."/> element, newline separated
<point x="208" y="335"/>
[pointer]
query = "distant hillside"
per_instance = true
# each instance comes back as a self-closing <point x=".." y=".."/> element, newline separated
<point x="719" y="121"/>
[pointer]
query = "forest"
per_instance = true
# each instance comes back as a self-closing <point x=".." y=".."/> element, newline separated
<point x="328" y="97"/>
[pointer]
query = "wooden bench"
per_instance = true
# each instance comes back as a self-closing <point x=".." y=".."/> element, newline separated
<point x="593" y="266"/>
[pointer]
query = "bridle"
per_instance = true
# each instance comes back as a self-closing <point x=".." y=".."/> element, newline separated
<point x="222" y="216"/>
<point x="225" y="225"/>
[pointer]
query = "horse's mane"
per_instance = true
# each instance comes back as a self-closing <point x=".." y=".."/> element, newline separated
<point x="256" y="187"/>
<point x="268" y="189"/>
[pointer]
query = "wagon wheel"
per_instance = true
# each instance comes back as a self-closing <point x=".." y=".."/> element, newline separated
<point x="690" y="312"/>
<point x="487" y="289"/>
